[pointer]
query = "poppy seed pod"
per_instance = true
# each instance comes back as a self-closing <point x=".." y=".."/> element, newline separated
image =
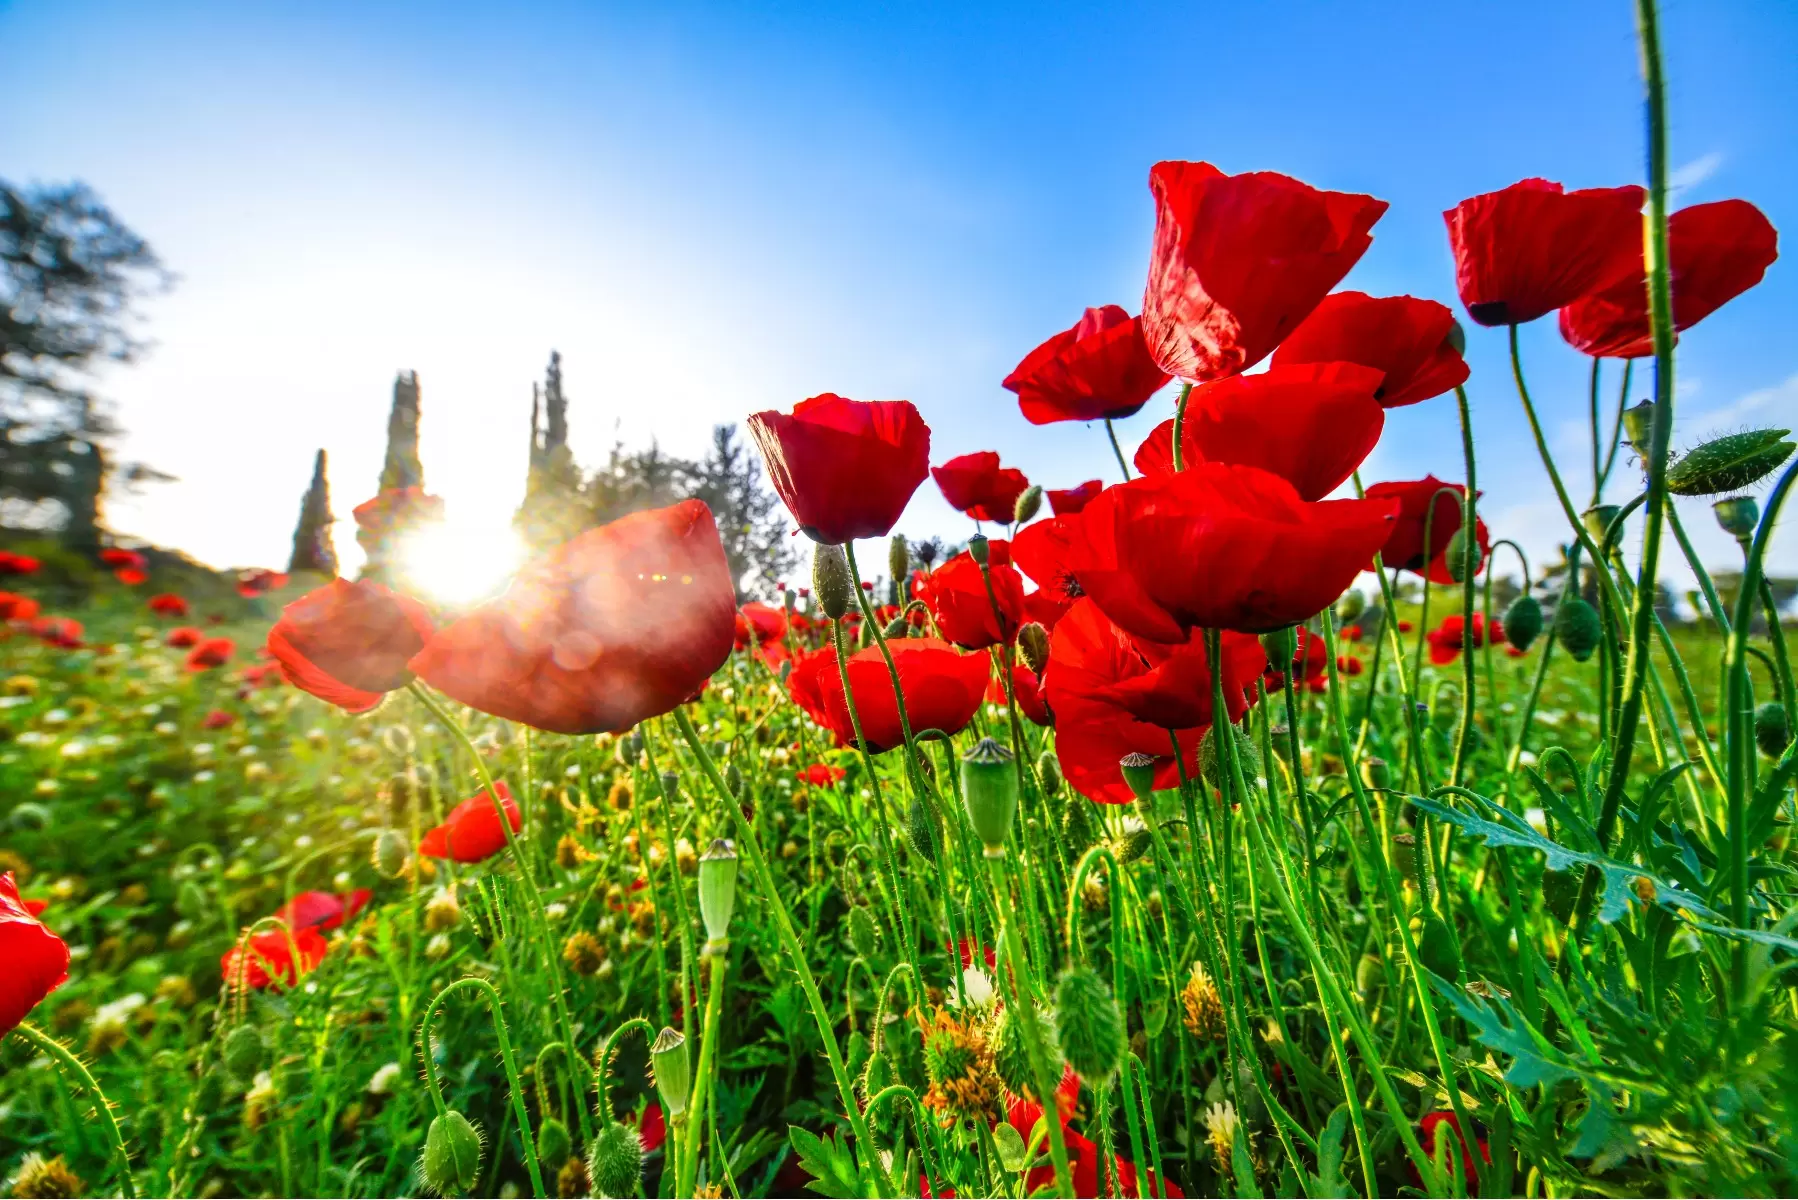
<point x="1523" y="621"/>
<point x="1772" y="729"/>
<point x="673" y="1072"/>
<point x="1729" y="463"/>
<point x="1456" y="556"/>
<point x="989" y="790"/>
<point x="898" y="556"/>
<point x="615" y="1160"/>
<point x="1738" y="515"/>
<point x="1033" y="644"/>
<point x="978" y="549"/>
<point x="390" y="853"/>
<point x="717" y="890"/>
<point x="1638" y="426"/>
<point x="830" y="580"/>
<point x="451" y="1161"/>
<point x="1029" y="503"/>
<point x="1139" y="773"/>
<point x="1376" y="774"/>
<point x="245" y="1052"/>
<point x="1089" y="1024"/>
<point x="630" y="748"/>
<point x="554" y="1143"/>
<point x="1282" y="645"/>
<point x="1577" y="627"/>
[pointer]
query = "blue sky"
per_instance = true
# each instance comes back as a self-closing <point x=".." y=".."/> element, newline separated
<point x="713" y="209"/>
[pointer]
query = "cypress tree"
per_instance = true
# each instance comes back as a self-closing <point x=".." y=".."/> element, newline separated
<point x="553" y="509"/>
<point x="402" y="468"/>
<point x="312" y="548"/>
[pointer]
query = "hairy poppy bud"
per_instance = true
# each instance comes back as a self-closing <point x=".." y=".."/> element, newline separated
<point x="1212" y="767"/>
<point x="245" y="1052"/>
<point x="1351" y="605"/>
<point x="977" y="549"/>
<point x="864" y="935"/>
<point x="1048" y="773"/>
<point x="1281" y="646"/>
<point x="896" y="628"/>
<point x="673" y="1073"/>
<point x="830" y="580"/>
<point x="1577" y="627"/>
<point x="989" y="790"/>
<point x="190" y="900"/>
<point x="1598" y="520"/>
<point x="1139" y="773"/>
<point x="1011" y="1049"/>
<point x="1456" y="556"/>
<point x="717" y="890"/>
<point x="920" y="829"/>
<point x="1729" y="463"/>
<point x="1638" y="426"/>
<point x="1090" y="1026"/>
<point x="451" y="1161"/>
<point x="733" y="779"/>
<point x="554" y="1143"/>
<point x="1523" y="621"/>
<point x="1738" y="515"/>
<point x="898" y="557"/>
<point x="390" y="853"/>
<point x="1772" y="733"/>
<point x="1027" y="505"/>
<point x="1456" y="338"/>
<point x="615" y="1160"/>
<point x="1033" y="644"/>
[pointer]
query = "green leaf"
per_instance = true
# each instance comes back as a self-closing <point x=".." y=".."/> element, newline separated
<point x="1498" y="1025"/>
<point x="1010" y="1145"/>
<point x="1242" y="1166"/>
<point x="1329" y="1183"/>
<point x="831" y="1166"/>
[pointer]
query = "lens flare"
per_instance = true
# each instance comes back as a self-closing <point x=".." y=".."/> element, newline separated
<point x="460" y="564"/>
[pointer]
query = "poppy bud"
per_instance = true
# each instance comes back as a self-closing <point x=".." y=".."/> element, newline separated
<point x="1577" y="627"/>
<point x="897" y="628"/>
<point x="790" y="600"/>
<point x="1138" y="770"/>
<point x="1435" y="944"/>
<point x="1738" y="515"/>
<point x="190" y="900"/>
<point x="977" y="549"/>
<point x="898" y="557"/>
<point x="830" y="579"/>
<point x="1011" y="1050"/>
<point x="451" y="1161"/>
<point x="989" y="790"/>
<point x="1090" y="1027"/>
<point x="1456" y="338"/>
<point x="390" y="853"/>
<point x="1523" y="621"/>
<point x="1772" y="733"/>
<point x="1247" y="757"/>
<point x="1456" y="556"/>
<point x="1033" y="644"/>
<point x="717" y="890"/>
<point x="245" y="1052"/>
<point x="733" y="779"/>
<point x="1638" y="426"/>
<point x="1028" y="504"/>
<point x="670" y="785"/>
<point x="1598" y="520"/>
<point x="1132" y="846"/>
<point x="1281" y="646"/>
<point x="673" y="1073"/>
<point x="1352" y="605"/>
<point x="615" y="1160"/>
<point x="864" y="935"/>
<point x="1048" y="773"/>
<point x="554" y="1143"/>
<point x="1729" y="463"/>
<point x="920" y="830"/>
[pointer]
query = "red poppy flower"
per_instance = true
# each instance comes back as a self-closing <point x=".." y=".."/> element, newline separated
<point x="1029" y="694"/>
<point x="1310" y="665"/>
<point x="957" y="597"/>
<point x="218" y="718"/>
<point x="1044" y="552"/>
<point x="1312" y="425"/>
<point x="252" y="584"/>
<point x="1067" y="502"/>
<point x="62" y="632"/>
<point x="1045" y="608"/>
<point x="1445" y="640"/>
<point x="323" y="911"/>
<point x="652" y="1127"/>
<point x="1220" y="547"/>
<point x="821" y="775"/>
<point x="1348" y="664"/>
<point x="14" y="607"/>
<point x="1171" y="686"/>
<point x="349" y="643"/>
<point x="1426" y="1137"/>
<point x="275" y="954"/>
<point x="943" y="688"/>
<point x="263" y="675"/>
<point x="472" y="833"/>
<point x="393" y="508"/>
<point x="977" y="485"/>
<point x="1351" y="633"/>
<point x="1514" y="652"/>
<point x="1715" y="251"/>
<point x="210" y="653"/>
<point x="1239" y="261"/>
<point x="184" y="636"/>
<point x="1411" y="341"/>
<point x="1534" y="247"/>
<point x="621" y="624"/>
<point x="764" y="622"/>
<point x="114" y="556"/>
<point x="131" y="576"/>
<point x="1084" y="1158"/>
<point x="1405" y="627"/>
<point x="845" y="468"/>
<point x="37" y="961"/>
<point x="168" y="605"/>
<point x="966" y="950"/>
<point x="1098" y="370"/>
<point x="1405" y="548"/>
<point x="18" y="564"/>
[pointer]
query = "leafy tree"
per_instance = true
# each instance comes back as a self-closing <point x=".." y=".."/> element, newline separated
<point x="312" y="548"/>
<point x="751" y="521"/>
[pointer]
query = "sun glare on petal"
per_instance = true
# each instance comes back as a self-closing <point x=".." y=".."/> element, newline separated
<point x="457" y="564"/>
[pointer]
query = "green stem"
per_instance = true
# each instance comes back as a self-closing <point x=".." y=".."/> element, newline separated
<point x="1180" y="424"/>
<point x="506" y="1059"/>
<point x="66" y="1059"/>
<point x="708" y="1053"/>
<point x="1112" y="433"/>
<point x="1470" y="551"/>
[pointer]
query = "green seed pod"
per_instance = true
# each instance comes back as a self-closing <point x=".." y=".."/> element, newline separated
<point x="1638" y="426"/>
<point x="554" y="1143"/>
<point x="245" y="1052"/>
<point x="1138" y="770"/>
<point x="789" y="600"/>
<point x="190" y="900"/>
<point x="673" y="1073"/>
<point x="1523" y="621"/>
<point x="1376" y="774"/>
<point x="30" y="816"/>
<point x="1033" y="644"/>
<point x="1729" y="463"/>
<point x="920" y="830"/>
<point x="1456" y="556"/>
<point x="630" y="747"/>
<point x="1029" y="503"/>
<point x="1351" y="605"/>
<point x="615" y="1160"/>
<point x="864" y="934"/>
<point x="989" y="791"/>
<point x="1247" y="756"/>
<point x="1090" y="1026"/>
<point x="390" y="853"/>
<point x="977" y="549"/>
<point x="1048" y="773"/>
<point x="670" y="785"/>
<point x="831" y="583"/>
<point x="451" y="1161"/>
<point x="1281" y="646"/>
<point x="1772" y="731"/>
<point x="717" y="890"/>
<point x="1577" y="627"/>
<point x="1011" y="1052"/>
<point x="1738" y="515"/>
<point x="898" y="557"/>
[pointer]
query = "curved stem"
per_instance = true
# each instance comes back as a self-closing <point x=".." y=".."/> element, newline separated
<point x="506" y="1058"/>
<point x="66" y="1059"/>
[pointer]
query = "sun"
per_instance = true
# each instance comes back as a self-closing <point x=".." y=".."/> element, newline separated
<point x="458" y="563"/>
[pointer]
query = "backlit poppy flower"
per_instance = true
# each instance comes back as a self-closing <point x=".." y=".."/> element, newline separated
<point x="846" y="469"/>
<point x="18" y="564"/>
<point x="1084" y="1157"/>
<point x="1171" y="686"/>
<point x="1715" y="253"/>
<point x="1312" y="425"/>
<point x="620" y="624"/>
<point x="1067" y="502"/>
<point x="763" y="622"/>
<point x="1029" y="693"/>
<point x="1239" y="260"/>
<point x="116" y="557"/>
<point x="958" y="600"/>
<point x="184" y="636"/>
<point x="1088" y="658"/>
<point x="943" y="688"/>
<point x="274" y="954"/>
<point x="37" y="961"/>
<point x="252" y="584"/>
<point x="1429" y="1129"/>
<point x="1412" y="342"/>
<point x="323" y="911"/>
<point x="1045" y="608"/>
<point x="1310" y="665"/>
<point x="821" y="775"/>
<point x="1220" y="547"/>
<point x="210" y="653"/>
<point x="1445" y="640"/>
<point x="62" y="632"/>
<point x="349" y="643"/>
<point x="1044" y="551"/>
<point x="218" y="718"/>
<point x="14" y="607"/>
<point x="1405" y="547"/>
<point x="977" y="485"/>
<point x="1098" y="370"/>
<point x="472" y="832"/>
<point x="131" y="576"/>
<point x="1534" y="247"/>
<point x="168" y="605"/>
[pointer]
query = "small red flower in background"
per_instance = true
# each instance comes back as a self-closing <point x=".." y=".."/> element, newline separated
<point x="184" y="636"/>
<point x="1514" y="652"/>
<point x="323" y="911"/>
<point x="1067" y="502"/>
<point x="1445" y="640"/>
<point x="37" y="961"/>
<point x="1427" y="1135"/>
<point x="1405" y="627"/>
<point x="1420" y="500"/>
<point x="957" y="598"/>
<point x="821" y="775"/>
<point x="977" y="485"/>
<point x="62" y="632"/>
<point x="763" y="622"/>
<point x="14" y="607"/>
<point x="1410" y="341"/>
<point x="1312" y="425"/>
<point x="117" y="558"/>
<point x="1029" y="693"/>
<point x="349" y="643"/>
<point x="252" y="584"/>
<point x="274" y="954"/>
<point x="623" y="623"/>
<point x="213" y="652"/>
<point x="263" y="675"/>
<point x="1098" y="370"/>
<point x="846" y="469"/>
<point x="652" y="1127"/>
<point x="168" y="605"/>
<point x="1348" y="664"/>
<point x="218" y="718"/>
<point x="1716" y="252"/>
<point x="472" y="832"/>
<point x="1351" y="633"/>
<point x="18" y="564"/>
<point x="1310" y="665"/>
<point x="1533" y="247"/>
<point x="131" y="576"/>
<point x="943" y="688"/>
<point x="1239" y="261"/>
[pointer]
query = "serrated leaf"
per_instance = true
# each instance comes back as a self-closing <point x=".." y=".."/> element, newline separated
<point x="831" y="1167"/>
<point x="1329" y="1183"/>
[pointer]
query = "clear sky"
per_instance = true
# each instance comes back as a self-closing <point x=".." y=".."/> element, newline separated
<point x="714" y="209"/>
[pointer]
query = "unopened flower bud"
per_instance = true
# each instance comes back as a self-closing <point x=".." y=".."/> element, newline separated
<point x="615" y="1160"/>
<point x="830" y="580"/>
<point x="1577" y="627"/>
<point x="1033" y="644"/>
<point x="630" y="748"/>
<point x="1738" y="515"/>
<point x="1638" y="426"/>
<point x="1376" y="774"/>
<point x="977" y="549"/>
<point x="1729" y="463"/>
<point x="898" y="557"/>
<point x="920" y="830"/>
<point x="717" y="890"/>
<point x="989" y="790"/>
<point x="1139" y="773"/>
<point x="390" y="853"/>
<point x="245" y="1052"/>
<point x="190" y="900"/>
<point x="554" y="1143"/>
<point x="1029" y="503"/>
<point x="1772" y="729"/>
<point x="864" y="934"/>
<point x="1456" y="337"/>
<point x="451" y="1162"/>
<point x="1280" y="647"/>
<point x="1090" y="1025"/>
<point x="790" y="600"/>
<point x="1351" y="605"/>
<point x="1048" y="773"/>
<point x="1597" y="520"/>
<point x="1456" y="556"/>
<point x="670" y="785"/>
<point x="1523" y="621"/>
<point x="896" y="629"/>
<point x="673" y="1072"/>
